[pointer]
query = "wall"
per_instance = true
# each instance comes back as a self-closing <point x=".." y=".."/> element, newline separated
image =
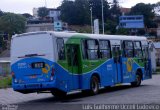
<point x="39" y="27"/>
<point x="5" y="69"/>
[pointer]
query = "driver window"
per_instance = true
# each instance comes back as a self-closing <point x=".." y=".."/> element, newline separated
<point x="60" y="49"/>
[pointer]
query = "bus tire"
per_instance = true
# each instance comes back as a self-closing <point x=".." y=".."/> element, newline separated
<point x="94" y="85"/>
<point x="59" y="94"/>
<point x="137" y="82"/>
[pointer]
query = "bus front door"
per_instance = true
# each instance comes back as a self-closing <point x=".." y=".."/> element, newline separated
<point x="73" y="59"/>
<point x="117" y="64"/>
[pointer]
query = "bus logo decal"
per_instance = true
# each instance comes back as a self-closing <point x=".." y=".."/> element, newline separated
<point x="46" y="69"/>
<point x="129" y="64"/>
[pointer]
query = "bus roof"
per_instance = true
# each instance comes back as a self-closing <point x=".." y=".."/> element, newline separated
<point x="92" y="36"/>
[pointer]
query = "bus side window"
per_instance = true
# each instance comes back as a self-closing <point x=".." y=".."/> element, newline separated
<point x="105" y="50"/>
<point x="60" y="49"/>
<point x="92" y="49"/>
<point x="137" y="49"/>
<point x="128" y="45"/>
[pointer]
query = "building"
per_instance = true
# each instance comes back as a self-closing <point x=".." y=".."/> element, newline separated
<point x="40" y="25"/>
<point x="53" y="13"/>
<point x="35" y="12"/>
<point x="51" y="22"/>
<point x="131" y="22"/>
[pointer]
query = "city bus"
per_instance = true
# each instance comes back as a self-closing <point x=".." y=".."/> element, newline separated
<point x="62" y="62"/>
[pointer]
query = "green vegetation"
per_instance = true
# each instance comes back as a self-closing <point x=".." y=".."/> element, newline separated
<point x="11" y="23"/>
<point x="81" y="29"/>
<point x="5" y="82"/>
<point x="78" y="12"/>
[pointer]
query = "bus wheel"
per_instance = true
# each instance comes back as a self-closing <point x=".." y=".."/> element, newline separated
<point x="137" y="82"/>
<point x="94" y="87"/>
<point x="59" y="94"/>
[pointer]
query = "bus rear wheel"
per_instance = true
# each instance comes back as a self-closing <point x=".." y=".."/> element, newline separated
<point x="94" y="85"/>
<point x="59" y="94"/>
<point x="137" y="82"/>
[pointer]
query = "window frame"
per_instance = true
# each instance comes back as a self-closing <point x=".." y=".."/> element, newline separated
<point x="136" y="49"/>
<point x="109" y="48"/>
<point x="124" y="50"/>
<point x="84" y="45"/>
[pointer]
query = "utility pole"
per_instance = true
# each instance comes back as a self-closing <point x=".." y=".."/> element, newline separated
<point x="91" y="20"/>
<point x="102" y="17"/>
<point x="46" y="3"/>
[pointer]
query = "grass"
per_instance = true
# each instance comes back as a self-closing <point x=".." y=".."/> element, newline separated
<point x="5" y="82"/>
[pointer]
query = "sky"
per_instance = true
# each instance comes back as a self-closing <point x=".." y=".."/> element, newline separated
<point x="26" y="6"/>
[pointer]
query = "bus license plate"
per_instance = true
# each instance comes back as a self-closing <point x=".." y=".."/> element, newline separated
<point x="37" y="65"/>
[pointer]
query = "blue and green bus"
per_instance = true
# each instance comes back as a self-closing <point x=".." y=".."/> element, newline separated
<point x="61" y="62"/>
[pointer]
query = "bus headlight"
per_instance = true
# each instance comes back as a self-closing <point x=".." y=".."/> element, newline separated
<point x="51" y="78"/>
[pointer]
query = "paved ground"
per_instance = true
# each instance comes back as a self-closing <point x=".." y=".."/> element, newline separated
<point x="148" y="93"/>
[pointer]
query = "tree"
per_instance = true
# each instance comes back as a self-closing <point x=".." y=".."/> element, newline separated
<point x="82" y="12"/>
<point x="43" y="12"/>
<point x="114" y="18"/>
<point x="147" y="11"/>
<point x="12" y="23"/>
<point x="97" y="9"/>
<point x="122" y="31"/>
<point x="68" y="12"/>
<point x="75" y="12"/>
<point x="78" y="12"/>
<point x="1" y="13"/>
<point x="115" y="10"/>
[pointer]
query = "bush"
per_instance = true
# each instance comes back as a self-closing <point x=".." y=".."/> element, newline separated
<point x="5" y="82"/>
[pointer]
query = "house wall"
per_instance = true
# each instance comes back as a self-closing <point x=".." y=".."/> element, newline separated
<point x="39" y="27"/>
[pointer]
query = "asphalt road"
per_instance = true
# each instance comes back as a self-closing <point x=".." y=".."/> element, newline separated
<point x="147" y="93"/>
